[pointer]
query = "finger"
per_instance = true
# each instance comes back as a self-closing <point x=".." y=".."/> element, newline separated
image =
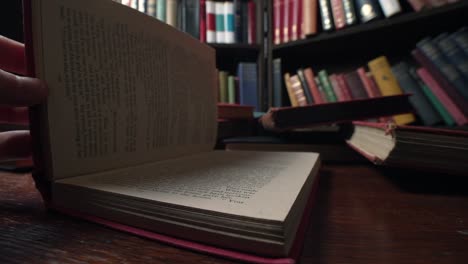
<point x="20" y="91"/>
<point x="15" y="145"/>
<point x="14" y="115"/>
<point x="12" y="56"/>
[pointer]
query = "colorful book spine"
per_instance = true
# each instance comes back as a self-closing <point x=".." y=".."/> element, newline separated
<point x="305" y="86"/>
<point x="248" y="90"/>
<point x="298" y="91"/>
<point x="210" y="21"/>
<point x="219" y="13"/>
<point x="314" y="90"/>
<point x="388" y="85"/>
<point x="323" y="77"/>
<point x="229" y="23"/>
<point x="430" y="50"/>
<point x="277" y="83"/>
<point x="161" y="10"/>
<point x="390" y="7"/>
<point x="433" y="99"/>
<point x="338" y="13"/>
<point x="344" y="87"/>
<point x="439" y="92"/>
<point x="371" y="93"/>
<point x="350" y="12"/>
<point x="326" y="15"/>
<point x="286" y="14"/>
<point x="202" y="26"/>
<point x="295" y="20"/>
<point x="231" y="89"/>
<point x="223" y="89"/>
<point x="292" y="97"/>
<point x="322" y="91"/>
<point x="336" y="88"/>
<point x="309" y="17"/>
<point x="418" y="100"/>
<point x="252" y="25"/>
<point x="277" y="22"/>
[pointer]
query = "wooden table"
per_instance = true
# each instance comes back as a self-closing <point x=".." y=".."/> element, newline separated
<point x="363" y="215"/>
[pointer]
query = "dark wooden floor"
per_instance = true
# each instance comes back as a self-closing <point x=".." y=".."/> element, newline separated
<point x="363" y="215"/>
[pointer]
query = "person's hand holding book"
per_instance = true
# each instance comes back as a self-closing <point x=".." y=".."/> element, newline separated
<point x="16" y="93"/>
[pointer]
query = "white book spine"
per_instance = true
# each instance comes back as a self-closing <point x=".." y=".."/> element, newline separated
<point x="210" y="12"/>
<point x="229" y="22"/>
<point x="142" y="6"/>
<point x="390" y="7"/>
<point x="171" y="12"/>
<point x="134" y="4"/>
<point x="219" y="12"/>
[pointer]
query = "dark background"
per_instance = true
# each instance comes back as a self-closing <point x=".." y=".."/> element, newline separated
<point x="11" y="20"/>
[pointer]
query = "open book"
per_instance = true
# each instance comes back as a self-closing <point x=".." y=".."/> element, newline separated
<point x="128" y="131"/>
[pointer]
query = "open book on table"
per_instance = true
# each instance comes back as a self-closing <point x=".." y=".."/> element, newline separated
<point x="126" y="137"/>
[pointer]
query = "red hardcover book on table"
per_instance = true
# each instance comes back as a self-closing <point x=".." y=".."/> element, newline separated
<point x="422" y="148"/>
<point x="135" y="151"/>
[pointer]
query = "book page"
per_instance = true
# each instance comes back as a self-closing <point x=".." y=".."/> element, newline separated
<point x="261" y="185"/>
<point x="125" y="89"/>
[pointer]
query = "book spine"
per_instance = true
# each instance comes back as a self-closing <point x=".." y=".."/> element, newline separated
<point x="460" y="37"/>
<point x="366" y="82"/>
<point x="418" y="5"/>
<point x="344" y="87"/>
<point x="238" y="20"/>
<point x="350" y="12"/>
<point x="181" y="15"/>
<point x="192" y="18"/>
<point x="439" y="92"/>
<point x="223" y="89"/>
<point x="323" y="93"/>
<point x="247" y="73"/>
<point x="323" y="77"/>
<point x="437" y="75"/>
<point x="326" y="15"/>
<point x="245" y="21"/>
<point x="276" y="22"/>
<point x="277" y="83"/>
<point x="314" y="90"/>
<point x="305" y="86"/>
<point x="388" y="85"/>
<point x="231" y="90"/>
<point x="453" y="53"/>
<point x="356" y="87"/>
<point x="229" y="22"/>
<point x="202" y="27"/>
<point x="390" y="7"/>
<point x="373" y="84"/>
<point x="286" y="25"/>
<point x="294" y="20"/>
<point x="309" y="17"/>
<point x="368" y="10"/>
<point x="433" y="99"/>
<point x="219" y="13"/>
<point x="171" y="12"/>
<point x="161" y="10"/>
<point x="287" y="82"/>
<point x="252" y="24"/>
<point x="210" y="21"/>
<point x="142" y="6"/>
<point x="418" y="100"/>
<point x="429" y="49"/>
<point x="336" y="88"/>
<point x="298" y="91"/>
<point x="338" y="13"/>
<point x="151" y="8"/>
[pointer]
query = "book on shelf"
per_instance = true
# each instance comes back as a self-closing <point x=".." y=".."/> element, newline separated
<point x="126" y="137"/>
<point x="422" y="148"/>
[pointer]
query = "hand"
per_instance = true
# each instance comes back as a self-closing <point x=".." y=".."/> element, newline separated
<point x="16" y="93"/>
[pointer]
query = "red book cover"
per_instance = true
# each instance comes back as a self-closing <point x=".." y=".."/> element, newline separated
<point x="210" y="21"/>
<point x="367" y="83"/>
<point x="336" y="87"/>
<point x="344" y="86"/>
<point x="277" y="22"/>
<point x="338" y="13"/>
<point x="286" y="20"/>
<point x="310" y="78"/>
<point x="202" y="20"/>
<point x="439" y="92"/>
<point x="252" y="27"/>
<point x="294" y="19"/>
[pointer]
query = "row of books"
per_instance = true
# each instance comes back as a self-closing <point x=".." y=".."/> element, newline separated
<point x="296" y="19"/>
<point x="439" y="84"/>
<point x="230" y="21"/>
<point x="240" y="88"/>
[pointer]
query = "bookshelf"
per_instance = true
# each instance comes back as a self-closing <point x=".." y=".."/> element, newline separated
<point x="354" y="46"/>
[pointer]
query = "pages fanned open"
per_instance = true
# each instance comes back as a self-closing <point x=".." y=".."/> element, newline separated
<point x="128" y="131"/>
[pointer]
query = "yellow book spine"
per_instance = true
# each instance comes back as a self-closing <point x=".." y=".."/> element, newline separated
<point x="388" y="85"/>
<point x="291" y="95"/>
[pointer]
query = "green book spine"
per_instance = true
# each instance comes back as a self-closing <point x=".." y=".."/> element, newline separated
<point x="161" y="10"/>
<point x="439" y="107"/>
<point x="323" y="77"/>
<point x="231" y="89"/>
<point x="223" y="95"/>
